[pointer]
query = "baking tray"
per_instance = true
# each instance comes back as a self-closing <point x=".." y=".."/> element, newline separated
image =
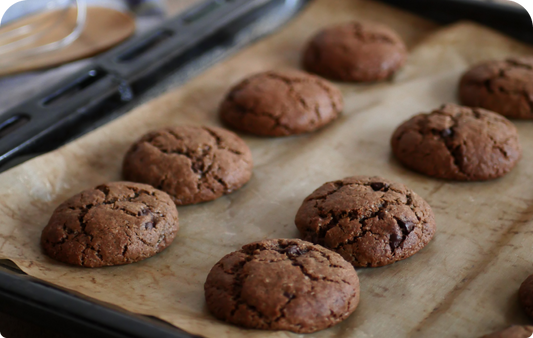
<point x="48" y="306"/>
<point x="37" y="301"/>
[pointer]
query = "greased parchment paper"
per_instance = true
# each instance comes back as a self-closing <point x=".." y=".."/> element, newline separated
<point x="463" y="284"/>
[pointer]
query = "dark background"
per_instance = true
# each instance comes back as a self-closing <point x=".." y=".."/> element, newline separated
<point x="11" y="327"/>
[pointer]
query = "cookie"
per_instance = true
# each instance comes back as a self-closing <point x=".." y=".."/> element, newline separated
<point x="112" y="224"/>
<point x="192" y="164"/>
<point x="370" y="221"/>
<point x="525" y="295"/>
<point x="282" y="284"/>
<point x="515" y="331"/>
<point x="504" y="86"/>
<point x="279" y="103"/>
<point x="355" y="52"/>
<point x="458" y="143"/>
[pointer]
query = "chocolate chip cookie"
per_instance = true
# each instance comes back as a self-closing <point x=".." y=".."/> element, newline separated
<point x="356" y="52"/>
<point x="515" y="331"/>
<point x="503" y="86"/>
<point x="458" y="143"/>
<point x="279" y="103"/>
<point x="370" y="221"/>
<point x="282" y="284"/>
<point x="525" y="295"/>
<point x="192" y="164"/>
<point x="112" y="224"/>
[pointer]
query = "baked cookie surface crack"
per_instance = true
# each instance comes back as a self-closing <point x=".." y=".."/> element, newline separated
<point x="112" y="224"/>
<point x="503" y="86"/>
<point x="458" y="143"/>
<point x="370" y="221"/>
<point x="355" y="52"/>
<point x="282" y="285"/>
<point x="276" y="103"/>
<point x="192" y="164"/>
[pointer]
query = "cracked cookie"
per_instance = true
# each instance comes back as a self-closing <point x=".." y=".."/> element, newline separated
<point x="112" y="224"/>
<point x="458" y="143"/>
<point x="514" y="331"/>
<point x="192" y="164"/>
<point x="505" y="87"/>
<point x="355" y="51"/>
<point x="525" y="295"/>
<point x="282" y="284"/>
<point x="281" y="103"/>
<point x="370" y="221"/>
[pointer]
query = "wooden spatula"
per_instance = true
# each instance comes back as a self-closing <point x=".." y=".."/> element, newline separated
<point x="104" y="28"/>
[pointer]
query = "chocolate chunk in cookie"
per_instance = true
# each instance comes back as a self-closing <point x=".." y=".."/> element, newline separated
<point x="515" y="331"/>
<point x="355" y="51"/>
<point x="112" y="224"/>
<point x="458" y="143"/>
<point x="370" y="221"/>
<point x="192" y="164"/>
<point x="281" y="103"/>
<point x="505" y="87"/>
<point x="282" y="284"/>
<point x="525" y="295"/>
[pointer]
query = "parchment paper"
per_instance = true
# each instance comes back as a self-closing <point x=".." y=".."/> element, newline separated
<point x="463" y="284"/>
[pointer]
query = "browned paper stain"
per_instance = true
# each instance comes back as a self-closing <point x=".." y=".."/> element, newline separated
<point x="463" y="284"/>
